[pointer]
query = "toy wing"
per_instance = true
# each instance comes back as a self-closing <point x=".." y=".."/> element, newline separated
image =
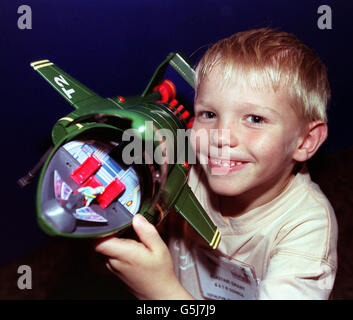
<point x="190" y="208"/>
<point x="73" y="91"/>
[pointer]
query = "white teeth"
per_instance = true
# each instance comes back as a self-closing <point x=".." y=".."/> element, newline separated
<point x="226" y="163"/>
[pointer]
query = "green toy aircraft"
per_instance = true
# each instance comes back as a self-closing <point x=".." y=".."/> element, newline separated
<point x="87" y="188"/>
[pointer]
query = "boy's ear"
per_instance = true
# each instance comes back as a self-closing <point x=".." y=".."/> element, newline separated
<point x="314" y="136"/>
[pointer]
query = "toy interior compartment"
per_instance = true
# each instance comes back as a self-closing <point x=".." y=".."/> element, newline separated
<point x="68" y="158"/>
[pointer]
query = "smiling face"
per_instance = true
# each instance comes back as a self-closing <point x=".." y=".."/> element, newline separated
<point x="247" y="139"/>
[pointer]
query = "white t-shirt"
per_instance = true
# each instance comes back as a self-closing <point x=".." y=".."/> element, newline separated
<point x="289" y="244"/>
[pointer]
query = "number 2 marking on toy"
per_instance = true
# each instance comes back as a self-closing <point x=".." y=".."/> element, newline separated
<point x="61" y="82"/>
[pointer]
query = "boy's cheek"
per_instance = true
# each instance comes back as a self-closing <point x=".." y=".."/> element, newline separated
<point x="266" y="145"/>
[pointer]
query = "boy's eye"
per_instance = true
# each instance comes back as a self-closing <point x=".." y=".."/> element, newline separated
<point x="207" y="114"/>
<point x="255" y="119"/>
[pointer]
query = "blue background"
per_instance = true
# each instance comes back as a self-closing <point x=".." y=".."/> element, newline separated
<point x="113" y="47"/>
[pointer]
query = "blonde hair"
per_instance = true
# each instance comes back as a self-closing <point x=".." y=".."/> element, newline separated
<point x="267" y="57"/>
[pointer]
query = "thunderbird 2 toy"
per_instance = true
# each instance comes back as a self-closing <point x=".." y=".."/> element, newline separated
<point x="86" y="188"/>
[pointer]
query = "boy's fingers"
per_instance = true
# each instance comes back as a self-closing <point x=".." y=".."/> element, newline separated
<point x="106" y="246"/>
<point x="115" y="247"/>
<point x="122" y="248"/>
<point x="114" y="266"/>
<point x="147" y="233"/>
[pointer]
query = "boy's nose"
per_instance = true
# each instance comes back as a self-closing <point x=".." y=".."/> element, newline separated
<point x="223" y="137"/>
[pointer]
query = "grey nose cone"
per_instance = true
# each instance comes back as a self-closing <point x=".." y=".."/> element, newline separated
<point x="60" y="218"/>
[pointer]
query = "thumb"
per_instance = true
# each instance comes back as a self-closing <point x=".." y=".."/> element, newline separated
<point x="147" y="233"/>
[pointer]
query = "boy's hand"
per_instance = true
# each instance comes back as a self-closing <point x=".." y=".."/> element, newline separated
<point x="146" y="266"/>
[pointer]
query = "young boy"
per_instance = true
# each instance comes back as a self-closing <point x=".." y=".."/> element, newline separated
<point x="260" y="113"/>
